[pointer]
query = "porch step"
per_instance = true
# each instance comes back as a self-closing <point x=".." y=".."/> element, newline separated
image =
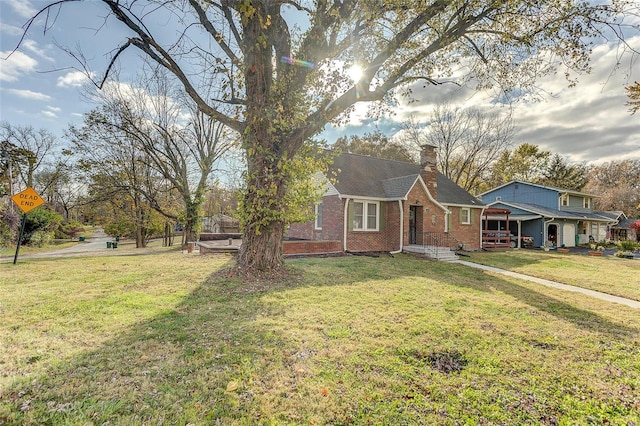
<point x="442" y="254"/>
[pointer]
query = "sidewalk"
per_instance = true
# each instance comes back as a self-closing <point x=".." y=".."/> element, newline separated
<point x="548" y="283"/>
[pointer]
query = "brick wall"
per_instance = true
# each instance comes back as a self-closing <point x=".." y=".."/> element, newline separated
<point x="210" y="236"/>
<point x="332" y="220"/>
<point x="469" y="235"/>
<point x="430" y="217"/>
<point x="388" y="239"/>
<point x="429" y="171"/>
<point x="311" y="247"/>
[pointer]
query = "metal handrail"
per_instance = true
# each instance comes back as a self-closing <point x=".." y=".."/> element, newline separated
<point x="440" y="240"/>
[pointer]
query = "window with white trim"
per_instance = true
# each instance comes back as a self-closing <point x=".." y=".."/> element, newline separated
<point x="586" y="202"/>
<point x="365" y="215"/>
<point x="318" y="213"/>
<point x="465" y="215"/>
<point x="564" y="200"/>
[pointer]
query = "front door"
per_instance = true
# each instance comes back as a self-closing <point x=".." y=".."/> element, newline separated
<point x="412" y="224"/>
<point x="552" y="234"/>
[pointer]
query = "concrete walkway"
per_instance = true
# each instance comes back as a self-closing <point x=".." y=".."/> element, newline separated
<point x="548" y="283"/>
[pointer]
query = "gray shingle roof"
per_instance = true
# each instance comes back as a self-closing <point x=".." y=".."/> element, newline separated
<point x="398" y="187"/>
<point x="364" y="176"/>
<point x="558" y="214"/>
<point x="450" y="193"/>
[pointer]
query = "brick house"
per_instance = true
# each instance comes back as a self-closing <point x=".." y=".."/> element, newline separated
<point x="374" y="204"/>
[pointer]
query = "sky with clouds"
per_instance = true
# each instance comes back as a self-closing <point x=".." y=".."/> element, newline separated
<point x="589" y="122"/>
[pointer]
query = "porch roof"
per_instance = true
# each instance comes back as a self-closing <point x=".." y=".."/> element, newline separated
<point x="515" y="217"/>
<point x="546" y="212"/>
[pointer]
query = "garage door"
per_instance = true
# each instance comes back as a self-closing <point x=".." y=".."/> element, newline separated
<point x="569" y="235"/>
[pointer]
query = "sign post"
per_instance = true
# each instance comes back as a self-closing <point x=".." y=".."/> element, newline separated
<point x="26" y="200"/>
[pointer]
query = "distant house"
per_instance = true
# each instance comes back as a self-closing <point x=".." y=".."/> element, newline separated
<point x="621" y="229"/>
<point x="631" y="232"/>
<point x="220" y="224"/>
<point x="555" y="215"/>
<point x="375" y="204"/>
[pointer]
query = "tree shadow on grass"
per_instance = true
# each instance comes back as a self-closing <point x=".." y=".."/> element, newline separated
<point x="178" y="367"/>
<point x="514" y="259"/>
<point x="565" y="311"/>
<point x="208" y="359"/>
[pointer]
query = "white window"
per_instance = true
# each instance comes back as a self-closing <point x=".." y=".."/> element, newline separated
<point x="365" y="215"/>
<point x="465" y="215"/>
<point x="318" y="212"/>
<point x="587" y="203"/>
<point x="564" y="200"/>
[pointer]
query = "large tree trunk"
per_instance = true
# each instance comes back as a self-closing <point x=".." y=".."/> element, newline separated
<point x="264" y="226"/>
<point x="141" y="241"/>
<point x="192" y="221"/>
<point x="263" y="251"/>
<point x="266" y="145"/>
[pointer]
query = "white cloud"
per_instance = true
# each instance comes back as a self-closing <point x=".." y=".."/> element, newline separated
<point x="15" y="65"/>
<point x="22" y="7"/>
<point x="11" y="30"/>
<point x="28" y="94"/>
<point x="72" y="79"/>
<point x="589" y="122"/>
<point x="51" y="112"/>
<point x="33" y="47"/>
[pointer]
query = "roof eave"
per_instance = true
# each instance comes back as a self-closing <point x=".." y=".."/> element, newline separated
<point x="366" y="197"/>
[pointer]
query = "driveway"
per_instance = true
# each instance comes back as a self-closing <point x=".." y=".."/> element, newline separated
<point x="97" y="244"/>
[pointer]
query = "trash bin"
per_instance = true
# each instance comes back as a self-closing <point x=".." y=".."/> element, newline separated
<point x="118" y="239"/>
<point x="577" y="239"/>
<point x="80" y="239"/>
<point x="114" y="244"/>
<point x="108" y="244"/>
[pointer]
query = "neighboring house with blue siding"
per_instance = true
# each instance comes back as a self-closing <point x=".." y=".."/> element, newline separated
<point x="560" y="216"/>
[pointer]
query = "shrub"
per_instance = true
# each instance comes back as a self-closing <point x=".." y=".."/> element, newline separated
<point x="69" y="229"/>
<point x="624" y="254"/>
<point x="9" y="222"/>
<point x="40" y="219"/>
<point x="40" y="238"/>
<point x="626" y="245"/>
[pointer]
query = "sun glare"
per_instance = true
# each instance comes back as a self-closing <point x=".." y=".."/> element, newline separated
<point x="355" y="73"/>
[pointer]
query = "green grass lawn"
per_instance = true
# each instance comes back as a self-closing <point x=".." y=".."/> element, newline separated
<point x="162" y="339"/>
<point x="11" y="251"/>
<point x="608" y="274"/>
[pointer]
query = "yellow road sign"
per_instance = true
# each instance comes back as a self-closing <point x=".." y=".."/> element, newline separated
<point x="27" y="200"/>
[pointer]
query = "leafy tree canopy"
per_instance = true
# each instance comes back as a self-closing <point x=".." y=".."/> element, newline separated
<point x="528" y="163"/>
<point x="617" y="183"/>
<point x="373" y="144"/>
<point x="633" y="92"/>
<point x="559" y="174"/>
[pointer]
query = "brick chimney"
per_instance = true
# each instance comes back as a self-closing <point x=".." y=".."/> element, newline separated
<point x="429" y="168"/>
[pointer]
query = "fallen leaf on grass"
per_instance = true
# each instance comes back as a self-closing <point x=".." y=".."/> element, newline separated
<point x="232" y="386"/>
